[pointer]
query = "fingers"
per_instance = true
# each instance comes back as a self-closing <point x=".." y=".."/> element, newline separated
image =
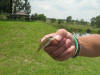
<point x="62" y="51"/>
<point x="52" y="48"/>
<point x="68" y="53"/>
<point x="63" y="46"/>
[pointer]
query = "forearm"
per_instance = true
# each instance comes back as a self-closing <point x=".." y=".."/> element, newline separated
<point x="90" y="45"/>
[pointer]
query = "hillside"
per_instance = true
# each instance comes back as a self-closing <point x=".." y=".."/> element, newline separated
<point x="18" y="52"/>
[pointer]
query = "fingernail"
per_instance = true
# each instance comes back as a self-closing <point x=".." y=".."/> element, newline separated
<point x="58" y="37"/>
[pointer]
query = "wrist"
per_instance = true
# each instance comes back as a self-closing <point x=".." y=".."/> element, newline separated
<point x="82" y="48"/>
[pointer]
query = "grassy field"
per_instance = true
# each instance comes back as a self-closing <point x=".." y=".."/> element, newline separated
<point x="18" y="45"/>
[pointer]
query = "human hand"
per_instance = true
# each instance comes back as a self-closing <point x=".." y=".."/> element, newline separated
<point x="62" y="48"/>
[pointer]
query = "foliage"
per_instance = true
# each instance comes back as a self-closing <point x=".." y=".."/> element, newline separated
<point x="23" y="18"/>
<point x="88" y="30"/>
<point x="21" y="5"/>
<point x="17" y="5"/>
<point x="69" y="19"/>
<point x="98" y="21"/>
<point x="3" y="17"/>
<point x="5" y="6"/>
<point x="40" y="17"/>
<point x="60" y="21"/>
<point x="27" y="7"/>
<point x="53" y="20"/>
<point x="79" y="22"/>
<point x="34" y="17"/>
<point x="95" y="21"/>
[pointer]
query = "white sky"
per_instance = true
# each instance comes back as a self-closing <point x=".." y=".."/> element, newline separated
<point x="78" y="9"/>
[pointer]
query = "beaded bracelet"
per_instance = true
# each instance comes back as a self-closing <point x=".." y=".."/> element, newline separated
<point x="77" y="46"/>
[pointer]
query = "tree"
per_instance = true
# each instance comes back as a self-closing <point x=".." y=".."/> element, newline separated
<point x="41" y="17"/>
<point x="93" y="21"/>
<point x="60" y="21"/>
<point x="27" y="7"/>
<point x="34" y="17"/>
<point x="17" y="5"/>
<point x="5" y="6"/>
<point x="53" y="20"/>
<point x="82" y="21"/>
<point x="21" y="5"/>
<point x="69" y="19"/>
<point x="98" y="21"/>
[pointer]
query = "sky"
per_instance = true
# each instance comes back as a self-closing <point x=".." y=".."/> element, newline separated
<point x="78" y="9"/>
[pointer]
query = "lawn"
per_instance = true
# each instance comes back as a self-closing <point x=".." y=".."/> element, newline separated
<point x="18" y="52"/>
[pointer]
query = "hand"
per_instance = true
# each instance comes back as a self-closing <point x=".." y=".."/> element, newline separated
<point x="62" y="49"/>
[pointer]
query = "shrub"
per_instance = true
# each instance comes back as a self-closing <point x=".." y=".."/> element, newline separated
<point x="88" y="30"/>
<point x="60" y="21"/>
<point x="53" y="20"/>
<point x="98" y="31"/>
<point x="3" y="17"/>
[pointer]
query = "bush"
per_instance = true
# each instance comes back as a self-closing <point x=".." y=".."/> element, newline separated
<point x="88" y="30"/>
<point x="3" y="17"/>
<point x="53" y="20"/>
<point x="60" y="21"/>
<point x="23" y="18"/>
<point x="98" y="31"/>
<point x="40" y="17"/>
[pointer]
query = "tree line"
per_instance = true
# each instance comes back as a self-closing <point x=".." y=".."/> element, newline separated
<point x="95" y="21"/>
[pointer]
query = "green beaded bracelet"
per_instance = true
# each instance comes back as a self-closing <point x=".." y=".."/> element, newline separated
<point x="77" y="46"/>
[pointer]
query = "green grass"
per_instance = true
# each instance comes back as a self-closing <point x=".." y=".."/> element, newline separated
<point x="18" y="45"/>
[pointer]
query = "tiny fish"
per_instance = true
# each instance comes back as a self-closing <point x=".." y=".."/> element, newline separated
<point x="46" y="42"/>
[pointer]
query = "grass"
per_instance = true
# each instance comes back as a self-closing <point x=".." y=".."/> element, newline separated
<point x="18" y="45"/>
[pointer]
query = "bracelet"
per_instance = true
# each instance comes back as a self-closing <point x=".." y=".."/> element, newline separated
<point x="77" y="46"/>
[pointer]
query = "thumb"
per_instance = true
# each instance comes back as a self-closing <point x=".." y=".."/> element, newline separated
<point x="59" y="35"/>
<point x="65" y="34"/>
<point x="62" y="32"/>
